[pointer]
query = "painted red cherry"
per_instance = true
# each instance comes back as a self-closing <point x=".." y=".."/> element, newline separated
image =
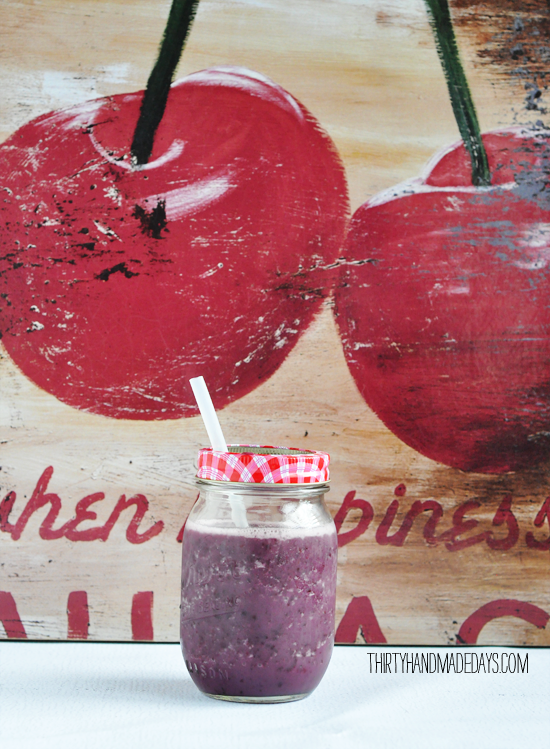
<point x="443" y="306"/>
<point x="119" y="283"/>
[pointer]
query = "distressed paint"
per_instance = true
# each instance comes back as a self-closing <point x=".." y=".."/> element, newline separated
<point x="510" y="39"/>
<point x="442" y="305"/>
<point x="117" y="289"/>
<point x="425" y="544"/>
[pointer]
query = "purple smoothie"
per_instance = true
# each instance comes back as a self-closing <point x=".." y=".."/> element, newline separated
<point x="257" y="608"/>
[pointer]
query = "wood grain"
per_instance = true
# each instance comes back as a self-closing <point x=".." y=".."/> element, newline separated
<point x="369" y="72"/>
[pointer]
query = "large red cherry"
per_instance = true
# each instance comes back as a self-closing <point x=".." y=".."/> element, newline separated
<point x="119" y="283"/>
<point x="443" y="306"/>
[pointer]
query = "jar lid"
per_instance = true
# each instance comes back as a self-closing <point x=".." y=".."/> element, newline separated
<point x="261" y="464"/>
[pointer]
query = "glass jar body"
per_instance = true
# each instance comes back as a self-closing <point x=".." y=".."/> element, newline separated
<point x="258" y="590"/>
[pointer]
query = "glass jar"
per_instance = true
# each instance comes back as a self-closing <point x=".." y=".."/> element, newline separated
<point x="259" y="582"/>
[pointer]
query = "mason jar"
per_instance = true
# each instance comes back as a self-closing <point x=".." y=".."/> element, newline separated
<point x="258" y="590"/>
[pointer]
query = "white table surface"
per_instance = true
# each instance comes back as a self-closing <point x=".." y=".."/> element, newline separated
<point x="88" y="695"/>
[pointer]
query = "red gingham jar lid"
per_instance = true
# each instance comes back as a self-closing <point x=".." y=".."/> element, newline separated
<point x="261" y="464"/>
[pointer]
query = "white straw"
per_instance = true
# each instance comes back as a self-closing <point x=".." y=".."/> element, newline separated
<point x="217" y="440"/>
<point x="209" y="416"/>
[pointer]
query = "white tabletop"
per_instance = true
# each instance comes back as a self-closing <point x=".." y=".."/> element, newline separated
<point x="90" y="695"/>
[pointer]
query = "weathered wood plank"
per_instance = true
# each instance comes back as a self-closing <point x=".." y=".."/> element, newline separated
<point x="370" y="74"/>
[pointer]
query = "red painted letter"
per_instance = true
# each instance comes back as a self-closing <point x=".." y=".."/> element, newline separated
<point x="367" y="514"/>
<point x="359" y="616"/>
<point x="77" y="615"/>
<point x="142" y="505"/>
<point x="504" y="514"/>
<point x="6" y="506"/>
<point x="461" y="526"/>
<point x="9" y="616"/>
<point x="38" y="499"/>
<point x="542" y="515"/>
<point x="82" y="513"/>
<point x="473" y="625"/>
<point x="142" y="616"/>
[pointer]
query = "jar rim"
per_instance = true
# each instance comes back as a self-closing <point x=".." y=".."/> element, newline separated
<point x="317" y="487"/>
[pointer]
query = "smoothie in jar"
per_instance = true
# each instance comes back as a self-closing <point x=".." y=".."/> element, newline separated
<point x="259" y="556"/>
<point x="257" y="608"/>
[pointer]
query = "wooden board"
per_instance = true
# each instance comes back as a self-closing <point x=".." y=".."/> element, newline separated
<point x="369" y="72"/>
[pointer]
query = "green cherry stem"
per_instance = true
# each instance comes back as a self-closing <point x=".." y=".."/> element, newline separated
<point x="461" y="98"/>
<point x="154" y="100"/>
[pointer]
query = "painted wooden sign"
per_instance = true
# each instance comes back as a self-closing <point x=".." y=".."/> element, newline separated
<point x="269" y="222"/>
